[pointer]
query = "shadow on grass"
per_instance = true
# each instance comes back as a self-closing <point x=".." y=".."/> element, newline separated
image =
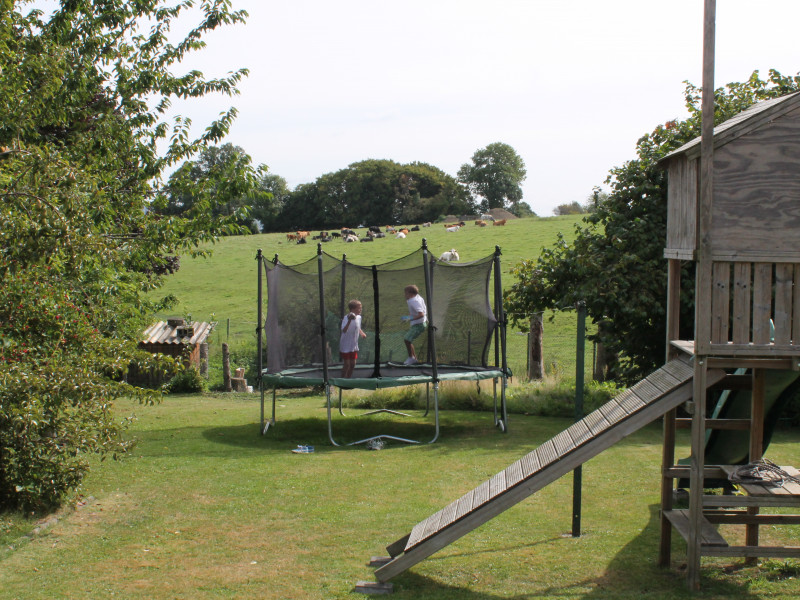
<point x="632" y="573"/>
<point x="314" y="431"/>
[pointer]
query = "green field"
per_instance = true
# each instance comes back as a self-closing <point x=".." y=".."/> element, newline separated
<point x="205" y="508"/>
<point x="223" y="288"/>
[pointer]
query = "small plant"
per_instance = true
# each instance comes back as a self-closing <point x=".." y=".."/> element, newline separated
<point x="188" y="381"/>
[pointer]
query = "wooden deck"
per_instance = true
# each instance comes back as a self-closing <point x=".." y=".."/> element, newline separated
<point x="649" y="399"/>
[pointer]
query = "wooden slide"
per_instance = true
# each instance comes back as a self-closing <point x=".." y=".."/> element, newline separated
<point x="661" y="391"/>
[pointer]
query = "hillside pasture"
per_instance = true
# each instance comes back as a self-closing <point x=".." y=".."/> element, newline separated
<point x="223" y="288"/>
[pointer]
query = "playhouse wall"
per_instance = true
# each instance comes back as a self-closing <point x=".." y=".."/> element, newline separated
<point x="756" y="204"/>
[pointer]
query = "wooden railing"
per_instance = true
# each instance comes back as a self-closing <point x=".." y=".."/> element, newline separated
<point x="749" y="308"/>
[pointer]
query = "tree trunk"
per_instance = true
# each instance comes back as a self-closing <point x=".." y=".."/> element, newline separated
<point x="226" y="368"/>
<point x="535" y="357"/>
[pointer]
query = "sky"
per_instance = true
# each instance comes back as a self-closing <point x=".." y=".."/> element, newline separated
<point x="571" y="85"/>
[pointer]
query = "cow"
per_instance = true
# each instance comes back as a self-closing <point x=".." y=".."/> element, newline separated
<point x="366" y="238"/>
<point x="380" y="235"/>
<point x="415" y="228"/>
<point x="500" y="222"/>
<point x="291" y="236"/>
<point x="426" y="224"/>
<point x="453" y="229"/>
<point x="301" y="240"/>
<point x="390" y="229"/>
<point x="404" y="230"/>
<point x="350" y="238"/>
<point x="400" y="235"/>
<point x="301" y="235"/>
<point x="480" y="223"/>
<point x="461" y="224"/>
<point x="374" y="229"/>
<point x="335" y="234"/>
<point x="450" y="255"/>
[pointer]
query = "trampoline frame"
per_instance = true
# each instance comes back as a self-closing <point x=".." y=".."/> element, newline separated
<point x="417" y="375"/>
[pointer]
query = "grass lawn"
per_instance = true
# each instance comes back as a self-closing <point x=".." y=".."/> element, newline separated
<point x="204" y="507"/>
<point x="223" y="287"/>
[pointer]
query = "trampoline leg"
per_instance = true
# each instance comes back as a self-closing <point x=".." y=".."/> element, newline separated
<point x="265" y="425"/>
<point x="328" y="404"/>
<point x="427" y="399"/>
<point x="340" y="403"/>
<point x="503" y="407"/>
<point x="435" y="410"/>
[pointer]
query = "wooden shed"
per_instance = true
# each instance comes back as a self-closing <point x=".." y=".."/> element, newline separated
<point x="743" y="234"/>
<point x="187" y="342"/>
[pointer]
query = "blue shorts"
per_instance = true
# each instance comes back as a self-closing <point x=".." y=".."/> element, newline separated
<point x="414" y="332"/>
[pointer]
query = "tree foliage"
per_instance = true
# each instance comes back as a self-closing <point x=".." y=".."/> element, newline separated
<point x="84" y="139"/>
<point x="221" y="179"/>
<point x="495" y="175"/>
<point x="616" y="262"/>
<point x="374" y="192"/>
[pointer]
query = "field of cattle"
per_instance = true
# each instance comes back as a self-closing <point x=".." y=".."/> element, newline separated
<point x="223" y="288"/>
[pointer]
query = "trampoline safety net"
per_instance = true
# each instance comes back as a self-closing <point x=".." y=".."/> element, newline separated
<point x="306" y="303"/>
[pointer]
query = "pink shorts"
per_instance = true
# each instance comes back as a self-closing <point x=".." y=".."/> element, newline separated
<point x="349" y="355"/>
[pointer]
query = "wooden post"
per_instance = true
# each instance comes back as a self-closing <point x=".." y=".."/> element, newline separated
<point x="756" y="449"/>
<point x="204" y="359"/>
<point x="535" y="358"/>
<point x="226" y="368"/>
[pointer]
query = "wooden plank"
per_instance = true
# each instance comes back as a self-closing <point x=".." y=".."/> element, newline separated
<point x="679" y="368"/>
<point x="754" y="500"/>
<point x="741" y="303"/>
<point x="663" y="380"/>
<point x="783" y="303"/>
<point x="481" y="495"/>
<point x="449" y="514"/>
<point x="762" y="302"/>
<point x="796" y="307"/>
<point x="373" y="587"/>
<point x="497" y="484"/>
<point x="514" y="473"/>
<point x="464" y="504"/>
<point x="530" y="464"/>
<point x="720" y="301"/>
<point x="546" y="453"/>
<point x="631" y="404"/>
<point x="579" y="432"/>
<point x="646" y="390"/>
<point x="596" y="422"/>
<point x="613" y="412"/>
<point x="432" y="524"/>
<point x="709" y="536"/>
<point x="754" y="551"/>
<point x="563" y="443"/>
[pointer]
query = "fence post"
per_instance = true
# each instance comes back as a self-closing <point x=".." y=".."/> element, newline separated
<point x="535" y="358"/>
<point x="226" y="368"/>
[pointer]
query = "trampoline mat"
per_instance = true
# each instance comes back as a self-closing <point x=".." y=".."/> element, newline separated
<point x="391" y="375"/>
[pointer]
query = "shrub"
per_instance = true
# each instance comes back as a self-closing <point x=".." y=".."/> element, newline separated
<point x="188" y="381"/>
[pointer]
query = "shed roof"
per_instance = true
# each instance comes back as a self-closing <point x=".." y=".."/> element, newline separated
<point x="168" y="332"/>
<point x="751" y="118"/>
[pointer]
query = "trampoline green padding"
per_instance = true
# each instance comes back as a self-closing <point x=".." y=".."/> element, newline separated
<point x="299" y="339"/>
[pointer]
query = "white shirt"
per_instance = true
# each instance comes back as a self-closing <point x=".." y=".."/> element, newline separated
<point x="416" y="305"/>
<point x="348" y="342"/>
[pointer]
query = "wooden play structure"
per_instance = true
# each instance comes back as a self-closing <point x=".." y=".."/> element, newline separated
<point x="743" y="237"/>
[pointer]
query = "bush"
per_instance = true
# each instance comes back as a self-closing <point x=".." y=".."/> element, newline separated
<point x="188" y="381"/>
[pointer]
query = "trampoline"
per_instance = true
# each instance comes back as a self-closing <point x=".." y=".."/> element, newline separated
<point x="306" y="302"/>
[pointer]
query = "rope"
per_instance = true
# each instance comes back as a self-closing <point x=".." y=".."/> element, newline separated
<point x="761" y="472"/>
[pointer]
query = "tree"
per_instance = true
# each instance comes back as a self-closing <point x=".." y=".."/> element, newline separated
<point x="569" y="209"/>
<point x="267" y="205"/>
<point x="616" y="262"/>
<point x="495" y="175"/>
<point x="222" y="178"/>
<point x="375" y="192"/>
<point x="83" y="142"/>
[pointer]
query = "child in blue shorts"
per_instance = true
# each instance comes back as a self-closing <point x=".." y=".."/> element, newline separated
<point x="418" y="316"/>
